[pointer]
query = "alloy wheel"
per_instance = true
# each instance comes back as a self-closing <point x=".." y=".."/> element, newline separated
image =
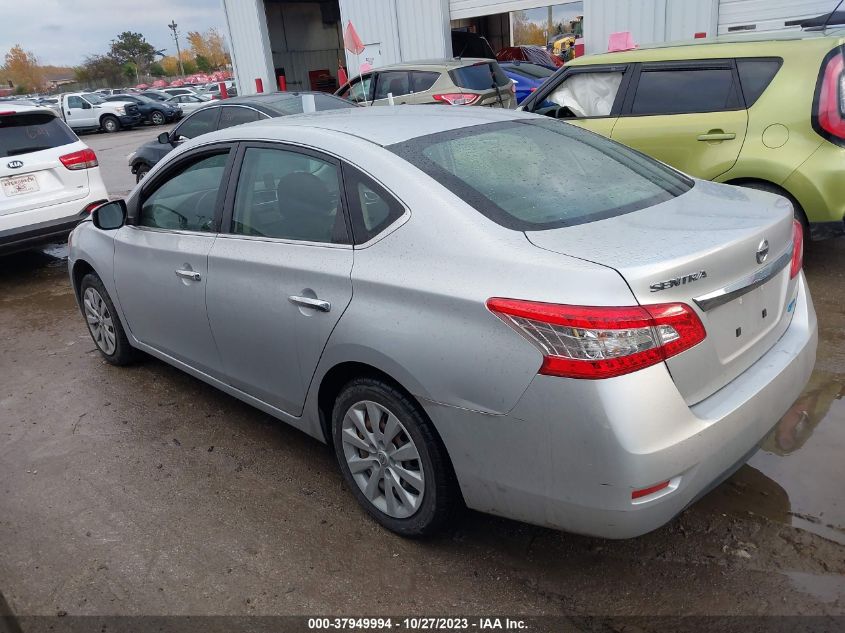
<point x="99" y="320"/>
<point x="383" y="459"/>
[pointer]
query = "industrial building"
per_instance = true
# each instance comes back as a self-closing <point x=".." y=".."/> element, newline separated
<point x="303" y="40"/>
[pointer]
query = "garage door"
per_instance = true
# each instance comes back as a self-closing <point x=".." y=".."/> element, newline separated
<point x="754" y="16"/>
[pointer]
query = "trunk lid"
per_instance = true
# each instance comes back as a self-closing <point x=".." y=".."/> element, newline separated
<point x="701" y="249"/>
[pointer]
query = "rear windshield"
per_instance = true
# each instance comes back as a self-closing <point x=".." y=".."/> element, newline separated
<point x="32" y="132"/>
<point x="537" y="174"/>
<point x="479" y="76"/>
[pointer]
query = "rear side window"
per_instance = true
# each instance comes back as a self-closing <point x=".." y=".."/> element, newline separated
<point x="32" y="132"/>
<point x="422" y="81"/>
<point x="371" y="208"/>
<point x="392" y="82"/>
<point x="199" y="123"/>
<point x="529" y="191"/>
<point x="685" y="90"/>
<point x="755" y="76"/>
<point x="479" y="76"/>
<point x="235" y="115"/>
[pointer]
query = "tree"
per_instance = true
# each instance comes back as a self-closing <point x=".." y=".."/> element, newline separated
<point x="203" y="65"/>
<point x="101" y="67"/>
<point x="527" y="32"/>
<point x="156" y="70"/>
<point x="170" y="65"/>
<point x="211" y="46"/>
<point x="132" y="48"/>
<point x="21" y="68"/>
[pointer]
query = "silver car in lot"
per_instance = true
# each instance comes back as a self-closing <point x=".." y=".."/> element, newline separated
<point x="589" y="348"/>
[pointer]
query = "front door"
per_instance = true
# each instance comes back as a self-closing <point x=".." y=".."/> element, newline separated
<point x="690" y="116"/>
<point x="161" y="261"/>
<point x="79" y="113"/>
<point x="279" y="273"/>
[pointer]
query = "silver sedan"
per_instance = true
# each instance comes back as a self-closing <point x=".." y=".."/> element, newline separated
<point x="474" y="307"/>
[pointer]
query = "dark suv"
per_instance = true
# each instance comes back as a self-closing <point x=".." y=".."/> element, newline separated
<point x="218" y="115"/>
<point x="155" y="112"/>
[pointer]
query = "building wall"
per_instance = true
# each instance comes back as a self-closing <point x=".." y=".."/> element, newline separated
<point x="398" y="30"/>
<point x="649" y="21"/>
<point x="249" y="43"/>
<point x="459" y="9"/>
<point x="767" y="15"/>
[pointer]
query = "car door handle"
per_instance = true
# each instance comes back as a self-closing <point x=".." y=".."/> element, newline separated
<point x="189" y="274"/>
<point x="717" y="135"/>
<point x="308" y="302"/>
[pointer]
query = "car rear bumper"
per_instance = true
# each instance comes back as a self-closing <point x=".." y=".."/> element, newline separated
<point x="571" y="452"/>
<point x="28" y="229"/>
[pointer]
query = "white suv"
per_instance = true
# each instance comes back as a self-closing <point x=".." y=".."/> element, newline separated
<point x="49" y="179"/>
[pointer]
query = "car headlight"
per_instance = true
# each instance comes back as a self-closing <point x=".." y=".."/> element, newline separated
<point x="120" y="110"/>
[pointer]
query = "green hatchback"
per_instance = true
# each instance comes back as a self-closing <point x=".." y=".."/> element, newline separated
<point x="762" y="113"/>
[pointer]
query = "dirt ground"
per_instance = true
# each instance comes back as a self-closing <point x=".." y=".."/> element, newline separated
<point x="144" y="491"/>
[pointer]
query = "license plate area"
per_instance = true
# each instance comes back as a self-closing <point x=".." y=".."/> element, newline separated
<point x="19" y="185"/>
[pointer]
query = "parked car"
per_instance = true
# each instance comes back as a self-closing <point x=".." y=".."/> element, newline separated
<point x="156" y="95"/>
<point x="89" y="111"/>
<point x="533" y="54"/>
<point x="213" y="89"/>
<point x="49" y="179"/>
<point x="526" y="77"/>
<point x="508" y="336"/>
<point x="188" y="103"/>
<point x="450" y="81"/>
<point x="178" y="91"/>
<point x="218" y="115"/>
<point x="152" y="111"/>
<point x="760" y="111"/>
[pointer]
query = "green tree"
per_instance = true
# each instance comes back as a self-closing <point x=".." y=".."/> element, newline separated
<point x="130" y="71"/>
<point x="203" y="64"/>
<point x="156" y="70"/>
<point x="101" y="67"/>
<point x="132" y="48"/>
<point x="190" y="66"/>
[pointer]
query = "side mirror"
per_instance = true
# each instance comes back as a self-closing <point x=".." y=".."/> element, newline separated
<point x="164" y="138"/>
<point x="109" y="216"/>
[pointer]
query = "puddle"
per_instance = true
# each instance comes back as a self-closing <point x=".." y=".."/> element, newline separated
<point x="805" y="456"/>
<point x="823" y="587"/>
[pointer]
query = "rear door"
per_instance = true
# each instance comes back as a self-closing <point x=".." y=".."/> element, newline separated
<point x="32" y="175"/>
<point x="689" y="114"/>
<point x="588" y="96"/>
<point x="279" y="274"/>
<point x="392" y="82"/>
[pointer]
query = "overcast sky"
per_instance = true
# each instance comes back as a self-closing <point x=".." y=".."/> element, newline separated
<point x="63" y="32"/>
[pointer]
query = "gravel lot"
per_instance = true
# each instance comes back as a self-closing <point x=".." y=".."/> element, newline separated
<point x="144" y="491"/>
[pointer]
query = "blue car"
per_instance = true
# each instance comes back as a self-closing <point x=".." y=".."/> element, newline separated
<point x="526" y="76"/>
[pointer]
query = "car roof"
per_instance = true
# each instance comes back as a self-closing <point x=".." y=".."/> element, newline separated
<point x="775" y="43"/>
<point x="19" y="108"/>
<point x="382" y="125"/>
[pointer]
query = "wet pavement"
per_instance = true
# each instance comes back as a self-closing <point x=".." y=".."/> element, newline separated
<point x="144" y="491"/>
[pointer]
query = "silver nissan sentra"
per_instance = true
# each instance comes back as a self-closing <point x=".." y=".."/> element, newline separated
<point x="472" y="306"/>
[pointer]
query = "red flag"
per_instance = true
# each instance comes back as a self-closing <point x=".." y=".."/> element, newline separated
<point x="341" y="75"/>
<point x="351" y="41"/>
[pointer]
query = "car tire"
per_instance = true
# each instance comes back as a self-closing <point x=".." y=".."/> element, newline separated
<point x="365" y="411"/>
<point x="141" y="171"/>
<point x="110" y="124"/>
<point x="104" y="325"/>
<point x="157" y="118"/>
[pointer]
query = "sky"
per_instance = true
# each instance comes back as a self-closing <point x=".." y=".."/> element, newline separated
<point x="63" y="32"/>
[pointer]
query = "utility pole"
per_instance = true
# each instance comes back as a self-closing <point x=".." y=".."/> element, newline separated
<point x="172" y="26"/>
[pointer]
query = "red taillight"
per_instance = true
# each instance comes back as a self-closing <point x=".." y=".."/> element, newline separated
<point x="644" y="492"/>
<point x="83" y="159"/>
<point x="456" y="98"/>
<point x="797" y="249"/>
<point x="829" y="103"/>
<point x="601" y="342"/>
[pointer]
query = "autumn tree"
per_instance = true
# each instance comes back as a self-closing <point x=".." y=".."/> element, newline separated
<point x="22" y="69"/>
<point x="133" y="48"/>
<point x="210" y="46"/>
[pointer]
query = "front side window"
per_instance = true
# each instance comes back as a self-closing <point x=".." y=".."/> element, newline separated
<point x="392" y="82"/>
<point x="584" y="95"/>
<point x="75" y="103"/>
<point x="199" y="123"/>
<point x="685" y="90"/>
<point x="511" y="173"/>
<point x="288" y="195"/>
<point x="186" y="201"/>
<point x="235" y="115"/>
